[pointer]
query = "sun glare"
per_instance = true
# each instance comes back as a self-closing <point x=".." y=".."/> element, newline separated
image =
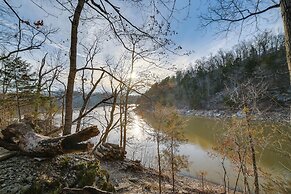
<point x="133" y="76"/>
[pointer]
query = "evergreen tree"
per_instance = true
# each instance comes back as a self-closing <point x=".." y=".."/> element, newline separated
<point x="18" y="83"/>
<point x="15" y="74"/>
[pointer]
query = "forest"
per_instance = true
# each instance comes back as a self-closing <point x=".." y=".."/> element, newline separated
<point x="210" y="82"/>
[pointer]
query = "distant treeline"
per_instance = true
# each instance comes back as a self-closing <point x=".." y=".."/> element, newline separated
<point x="95" y="98"/>
<point x="206" y="83"/>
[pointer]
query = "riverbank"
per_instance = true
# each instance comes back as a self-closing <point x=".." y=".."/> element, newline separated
<point x="23" y="174"/>
<point x="283" y="115"/>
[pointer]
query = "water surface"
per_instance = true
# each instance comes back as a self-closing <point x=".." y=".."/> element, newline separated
<point x="201" y="134"/>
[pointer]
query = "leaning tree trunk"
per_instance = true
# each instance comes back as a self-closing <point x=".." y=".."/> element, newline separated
<point x="73" y="68"/>
<point x="21" y="137"/>
<point x="285" y="6"/>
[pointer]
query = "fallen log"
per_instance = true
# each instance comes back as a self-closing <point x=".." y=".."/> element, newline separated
<point x="109" y="151"/>
<point x="133" y="165"/>
<point x="21" y="137"/>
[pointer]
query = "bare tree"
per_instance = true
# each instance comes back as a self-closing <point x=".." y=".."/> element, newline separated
<point x="173" y="126"/>
<point x="120" y="27"/>
<point x="87" y="92"/>
<point x="25" y="37"/>
<point x="46" y="76"/>
<point x="160" y="115"/>
<point x="61" y="97"/>
<point x="168" y="135"/>
<point x="73" y="68"/>
<point x="232" y="13"/>
<point x="245" y="96"/>
<point x="111" y="122"/>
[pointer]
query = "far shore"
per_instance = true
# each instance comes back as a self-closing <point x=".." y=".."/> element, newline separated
<point x="282" y="116"/>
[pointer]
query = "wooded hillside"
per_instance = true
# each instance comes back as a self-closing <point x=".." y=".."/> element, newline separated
<point x="212" y="82"/>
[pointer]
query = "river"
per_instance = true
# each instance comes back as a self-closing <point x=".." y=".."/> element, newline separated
<point x="200" y="133"/>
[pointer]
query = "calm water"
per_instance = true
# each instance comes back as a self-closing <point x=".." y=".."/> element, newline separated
<point x="200" y="133"/>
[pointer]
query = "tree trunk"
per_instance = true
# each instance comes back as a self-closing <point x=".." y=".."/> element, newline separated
<point x="285" y="6"/>
<point x="21" y="137"/>
<point x="38" y="87"/>
<point x="63" y="110"/>
<point x="159" y="162"/>
<point x="253" y="155"/>
<point x="121" y="103"/>
<point x="225" y="176"/>
<point x="86" y="99"/>
<point x="110" y="124"/>
<point x="172" y="163"/>
<point x="78" y="126"/>
<point x="125" y="120"/>
<point x="243" y="171"/>
<point x="126" y="107"/>
<point x="73" y="68"/>
<point x="256" y="176"/>
<point x="17" y="98"/>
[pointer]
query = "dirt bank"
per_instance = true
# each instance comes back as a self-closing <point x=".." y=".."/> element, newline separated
<point x="22" y="174"/>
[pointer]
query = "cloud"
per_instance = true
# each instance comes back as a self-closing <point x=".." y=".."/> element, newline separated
<point x="203" y="42"/>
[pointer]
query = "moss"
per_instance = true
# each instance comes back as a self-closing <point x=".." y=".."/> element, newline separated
<point x="106" y="186"/>
<point x="103" y="181"/>
<point x="86" y="173"/>
<point x="103" y="173"/>
<point x="73" y="173"/>
<point x="46" y="187"/>
<point x="90" y="173"/>
<point x="34" y="189"/>
<point x="64" y="162"/>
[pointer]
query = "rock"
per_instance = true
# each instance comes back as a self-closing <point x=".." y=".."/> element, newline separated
<point x="25" y="187"/>
<point x="168" y="187"/>
<point x="29" y="179"/>
<point x="15" y="188"/>
<point x="122" y="187"/>
<point x="147" y="186"/>
<point x="240" y="114"/>
<point x="133" y="180"/>
<point x="22" y="174"/>
<point x="183" y="192"/>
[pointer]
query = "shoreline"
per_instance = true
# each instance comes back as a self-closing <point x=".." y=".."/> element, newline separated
<point x="123" y="175"/>
<point x="282" y="116"/>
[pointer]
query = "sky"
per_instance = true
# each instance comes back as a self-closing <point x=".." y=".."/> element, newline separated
<point x="190" y="35"/>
